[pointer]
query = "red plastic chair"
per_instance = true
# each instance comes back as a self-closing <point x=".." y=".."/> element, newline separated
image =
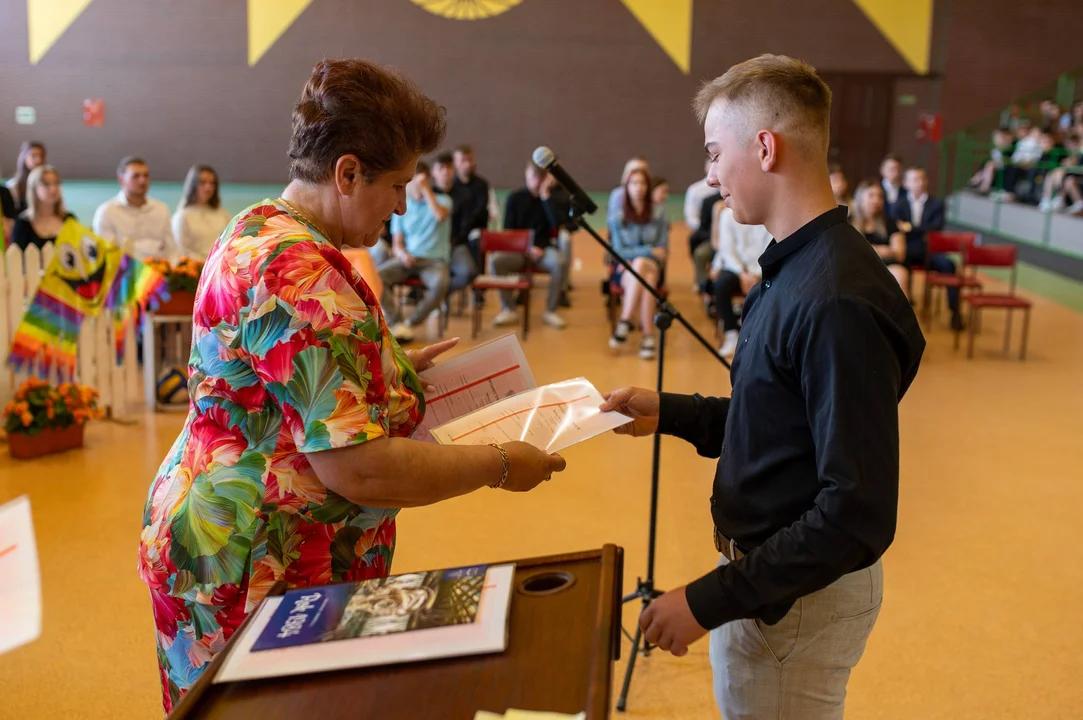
<point x="510" y="241"/>
<point x="940" y="241"/>
<point x="977" y="256"/>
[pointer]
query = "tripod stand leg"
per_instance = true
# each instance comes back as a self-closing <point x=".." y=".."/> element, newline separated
<point x="622" y="701"/>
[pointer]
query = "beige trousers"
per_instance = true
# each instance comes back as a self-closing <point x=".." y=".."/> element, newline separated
<point x="798" y="668"/>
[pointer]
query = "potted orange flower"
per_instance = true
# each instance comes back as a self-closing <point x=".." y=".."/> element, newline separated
<point x="183" y="278"/>
<point x="44" y="419"/>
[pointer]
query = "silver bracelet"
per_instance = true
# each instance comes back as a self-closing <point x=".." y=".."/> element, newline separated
<point x="505" y="469"/>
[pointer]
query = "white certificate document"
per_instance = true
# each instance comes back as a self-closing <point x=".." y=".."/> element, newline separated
<point x="20" y="578"/>
<point x="472" y="380"/>
<point x="551" y="418"/>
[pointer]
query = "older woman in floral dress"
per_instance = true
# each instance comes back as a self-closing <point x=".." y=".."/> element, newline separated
<point x="294" y="458"/>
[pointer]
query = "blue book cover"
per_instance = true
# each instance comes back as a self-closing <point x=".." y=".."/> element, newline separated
<point x="400" y="603"/>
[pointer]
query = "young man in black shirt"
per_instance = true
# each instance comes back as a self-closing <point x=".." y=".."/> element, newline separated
<point x="527" y="210"/>
<point x="462" y="266"/>
<point x="806" y="490"/>
<point x="470" y="200"/>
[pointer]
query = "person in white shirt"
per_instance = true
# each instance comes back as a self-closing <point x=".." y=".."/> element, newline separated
<point x="735" y="270"/>
<point x="694" y="196"/>
<point x="134" y="216"/>
<point x="200" y="217"/>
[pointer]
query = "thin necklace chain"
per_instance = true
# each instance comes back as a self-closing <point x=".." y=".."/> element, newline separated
<point x="292" y="207"/>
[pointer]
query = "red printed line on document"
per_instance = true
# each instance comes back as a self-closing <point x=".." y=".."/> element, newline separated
<point x="8" y="550"/>
<point x="483" y="380"/>
<point x="517" y="412"/>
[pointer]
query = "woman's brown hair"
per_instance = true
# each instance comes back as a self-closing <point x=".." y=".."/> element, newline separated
<point x="630" y="214"/>
<point x="22" y="172"/>
<point x="357" y="107"/>
<point x="191" y="187"/>
<point x="858" y="219"/>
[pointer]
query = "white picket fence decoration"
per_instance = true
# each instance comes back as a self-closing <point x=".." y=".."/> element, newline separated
<point x="120" y="385"/>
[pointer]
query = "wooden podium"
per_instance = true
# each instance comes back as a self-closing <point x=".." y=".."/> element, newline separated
<point x="563" y="636"/>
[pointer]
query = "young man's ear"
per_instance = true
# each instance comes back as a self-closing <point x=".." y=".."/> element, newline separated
<point x="767" y="149"/>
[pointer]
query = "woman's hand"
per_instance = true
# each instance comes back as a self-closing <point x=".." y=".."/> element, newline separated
<point x="425" y="358"/>
<point x="528" y="466"/>
<point x="659" y="254"/>
<point x="640" y="405"/>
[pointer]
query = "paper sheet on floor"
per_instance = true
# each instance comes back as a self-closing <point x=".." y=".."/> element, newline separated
<point x="472" y="380"/>
<point x="552" y="418"/>
<point x="20" y="578"/>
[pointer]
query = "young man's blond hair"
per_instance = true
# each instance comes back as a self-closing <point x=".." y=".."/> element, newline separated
<point x="777" y="93"/>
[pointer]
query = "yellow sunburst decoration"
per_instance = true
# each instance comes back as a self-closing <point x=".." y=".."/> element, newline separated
<point x="466" y="9"/>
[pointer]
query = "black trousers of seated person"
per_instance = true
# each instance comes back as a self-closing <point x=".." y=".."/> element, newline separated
<point x="727" y="286"/>
<point x="936" y="263"/>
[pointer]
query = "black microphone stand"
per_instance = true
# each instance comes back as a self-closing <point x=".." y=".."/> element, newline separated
<point x="645" y="590"/>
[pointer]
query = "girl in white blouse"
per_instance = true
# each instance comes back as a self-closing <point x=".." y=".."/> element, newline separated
<point x="200" y="217"/>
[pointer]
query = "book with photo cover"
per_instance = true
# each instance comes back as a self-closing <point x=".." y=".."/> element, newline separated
<point x="400" y="619"/>
<point x="400" y="603"/>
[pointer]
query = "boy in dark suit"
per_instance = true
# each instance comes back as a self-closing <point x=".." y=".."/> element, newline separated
<point x="916" y="213"/>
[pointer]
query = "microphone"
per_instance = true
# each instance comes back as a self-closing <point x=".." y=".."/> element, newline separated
<point x="543" y="157"/>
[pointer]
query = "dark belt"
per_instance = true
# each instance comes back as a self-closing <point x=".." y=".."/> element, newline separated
<point x="727" y="547"/>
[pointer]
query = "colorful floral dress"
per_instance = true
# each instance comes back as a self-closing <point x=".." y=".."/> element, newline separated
<point x="290" y="355"/>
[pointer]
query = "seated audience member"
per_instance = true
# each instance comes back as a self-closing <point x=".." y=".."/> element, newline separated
<point x="200" y="217"/>
<point x="462" y="267"/>
<point x="916" y="215"/>
<point x="558" y="202"/>
<point x="1061" y="190"/>
<point x="703" y="242"/>
<point x="31" y="156"/>
<point x="470" y="195"/>
<point x="616" y="196"/>
<point x="840" y="186"/>
<point x="45" y="213"/>
<point x="891" y="180"/>
<point x="641" y="237"/>
<point x="694" y="196"/>
<point x="880" y="229"/>
<point x="1026" y="155"/>
<point x="132" y="215"/>
<point x="999" y="156"/>
<point x="526" y="210"/>
<point x="421" y="248"/>
<point x="660" y="195"/>
<point x="8" y="214"/>
<point x="735" y="271"/>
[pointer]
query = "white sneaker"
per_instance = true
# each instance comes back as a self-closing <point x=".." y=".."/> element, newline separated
<point x="620" y="335"/>
<point x="506" y="317"/>
<point x="648" y="347"/>
<point x="403" y="332"/>
<point x="554" y="320"/>
<point x="729" y="344"/>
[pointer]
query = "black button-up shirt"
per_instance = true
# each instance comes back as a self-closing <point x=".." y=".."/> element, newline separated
<point x="469" y="208"/>
<point x="808" y="441"/>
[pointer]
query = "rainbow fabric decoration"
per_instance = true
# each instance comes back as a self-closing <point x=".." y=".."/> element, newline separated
<point x="87" y="274"/>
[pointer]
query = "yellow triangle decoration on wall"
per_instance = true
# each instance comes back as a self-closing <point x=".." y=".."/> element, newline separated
<point x="47" y="20"/>
<point x="267" y="20"/>
<point x="670" y="24"/>
<point x="908" y="26"/>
